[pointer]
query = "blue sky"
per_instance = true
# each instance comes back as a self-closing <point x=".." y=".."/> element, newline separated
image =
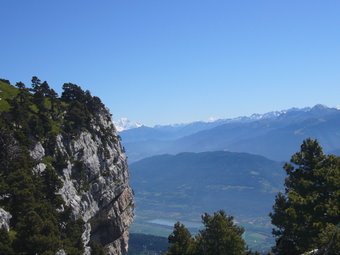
<point x="173" y="61"/>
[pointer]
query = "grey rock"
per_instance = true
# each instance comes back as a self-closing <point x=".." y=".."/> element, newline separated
<point x="103" y="199"/>
<point x="4" y="219"/>
<point x="60" y="252"/>
<point x="38" y="152"/>
<point x="39" y="168"/>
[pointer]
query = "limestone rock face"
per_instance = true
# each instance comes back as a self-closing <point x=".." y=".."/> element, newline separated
<point x="95" y="183"/>
<point x="4" y="219"/>
<point x="38" y="152"/>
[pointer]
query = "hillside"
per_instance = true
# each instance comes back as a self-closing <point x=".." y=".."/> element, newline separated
<point x="170" y="188"/>
<point x="7" y="91"/>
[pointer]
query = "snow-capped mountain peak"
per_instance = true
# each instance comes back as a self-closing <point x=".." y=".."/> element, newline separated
<point x="125" y="124"/>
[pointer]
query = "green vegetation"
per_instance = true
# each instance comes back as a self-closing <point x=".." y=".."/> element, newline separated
<point x="181" y="241"/>
<point x="41" y="223"/>
<point x="219" y="236"/>
<point x="7" y="91"/>
<point x="307" y="215"/>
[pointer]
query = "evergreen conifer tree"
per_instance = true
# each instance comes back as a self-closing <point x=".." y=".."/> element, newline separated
<point x="307" y="214"/>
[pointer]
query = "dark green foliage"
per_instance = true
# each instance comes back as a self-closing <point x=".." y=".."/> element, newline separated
<point x="38" y="225"/>
<point x="59" y="162"/>
<point x="36" y="234"/>
<point x="38" y="112"/>
<point x="5" y="243"/>
<point x="97" y="248"/>
<point x="76" y="118"/>
<point x="82" y="108"/>
<point x="71" y="234"/>
<point x="180" y="240"/>
<point x="307" y="213"/>
<point x="73" y="93"/>
<point x="79" y="173"/>
<point x="220" y="236"/>
<point x="9" y="151"/>
<point x="50" y="186"/>
<point x="5" y="81"/>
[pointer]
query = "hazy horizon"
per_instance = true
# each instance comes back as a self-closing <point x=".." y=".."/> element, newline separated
<point x="212" y="119"/>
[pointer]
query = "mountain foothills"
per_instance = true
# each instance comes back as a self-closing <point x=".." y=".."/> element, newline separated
<point x="306" y="216"/>
<point x="275" y="135"/>
<point x="63" y="173"/>
<point x="181" y="187"/>
<point x="207" y="181"/>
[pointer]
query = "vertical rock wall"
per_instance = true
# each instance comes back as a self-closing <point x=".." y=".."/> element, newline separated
<point x="95" y="183"/>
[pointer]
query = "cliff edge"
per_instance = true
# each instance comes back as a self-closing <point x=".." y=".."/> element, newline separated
<point x="74" y="165"/>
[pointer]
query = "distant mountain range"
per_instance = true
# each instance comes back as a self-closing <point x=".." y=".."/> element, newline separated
<point x="276" y="135"/>
<point x="180" y="171"/>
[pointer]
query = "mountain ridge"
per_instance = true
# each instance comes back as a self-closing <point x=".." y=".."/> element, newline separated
<point x="288" y="127"/>
<point x="219" y="121"/>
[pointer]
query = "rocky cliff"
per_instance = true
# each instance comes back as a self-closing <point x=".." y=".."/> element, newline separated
<point x="89" y="161"/>
<point x="102" y="196"/>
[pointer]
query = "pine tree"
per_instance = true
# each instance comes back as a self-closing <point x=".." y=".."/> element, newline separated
<point x="306" y="215"/>
<point x="180" y="240"/>
<point x="220" y="236"/>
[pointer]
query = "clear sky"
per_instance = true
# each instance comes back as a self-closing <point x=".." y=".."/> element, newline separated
<point x="172" y="61"/>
